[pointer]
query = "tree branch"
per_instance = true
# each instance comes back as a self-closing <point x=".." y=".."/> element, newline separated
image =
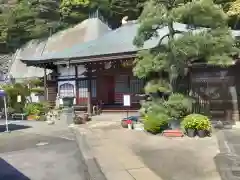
<point x="167" y="35"/>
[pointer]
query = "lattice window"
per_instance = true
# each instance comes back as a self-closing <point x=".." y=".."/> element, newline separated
<point x="83" y="88"/>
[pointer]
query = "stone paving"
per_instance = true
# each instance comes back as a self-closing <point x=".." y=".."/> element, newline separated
<point x="132" y="155"/>
<point x="40" y="152"/>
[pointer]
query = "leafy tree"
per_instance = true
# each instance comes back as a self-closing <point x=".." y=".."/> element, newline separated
<point x="74" y="11"/>
<point x="47" y="15"/>
<point x="17" y="24"/>
<point x="233" y="12"/>
<point x="23" y="20"/>
<point x="232" y="8"/>
<point x="121" y="8"/>
<point x="29" y="19"/>
<point x="112" y="10"/>
<point x="177" y="49"/>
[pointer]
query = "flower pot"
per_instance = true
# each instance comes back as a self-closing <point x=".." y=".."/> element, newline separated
<point x="201" y="133"/>
<point x="124" y="124"/>
<point x="191" y="132"/>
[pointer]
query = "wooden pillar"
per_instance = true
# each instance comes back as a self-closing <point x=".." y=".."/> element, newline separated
<point x="45" y="83"/>
<point x="76" y="83"/>
<point x="89" y="93"/>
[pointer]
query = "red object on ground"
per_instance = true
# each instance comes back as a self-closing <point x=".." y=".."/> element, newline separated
<point x="173" y="133"/>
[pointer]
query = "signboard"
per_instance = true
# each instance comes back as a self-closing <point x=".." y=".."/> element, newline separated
<point x="19" y="98"/>
<point x="126" y="100"/>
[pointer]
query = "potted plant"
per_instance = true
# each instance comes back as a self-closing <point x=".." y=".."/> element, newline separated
<point x="124" y="123"/>
<point x="203" y="125"/>
<point x="189" y="124"/>
<point x="32" y="111"/>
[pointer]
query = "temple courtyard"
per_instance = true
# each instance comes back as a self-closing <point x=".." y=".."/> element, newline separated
<point x="37" y="152"/>
<point x="110" y="152"/>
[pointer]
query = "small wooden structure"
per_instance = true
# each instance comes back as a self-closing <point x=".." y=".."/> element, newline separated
<point x="216" y="91"/>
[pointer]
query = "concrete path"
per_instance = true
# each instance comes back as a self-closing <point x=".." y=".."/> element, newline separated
<point x="131" y="155"/>
<point x="40" y="152"/>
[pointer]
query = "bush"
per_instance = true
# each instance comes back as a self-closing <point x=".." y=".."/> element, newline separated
<point x="32" y="109"/>
<point x="159" y="112"/>
<point x="178" y="106"/>
<point x="36" y="108"/>
<point x="196" y="121"/>
<point x="155" y="123"/>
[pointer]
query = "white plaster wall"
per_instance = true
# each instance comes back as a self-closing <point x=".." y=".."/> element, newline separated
<point x="65" y="73"/>
<point x="81" y="70"/>
<point x="34" y="98"/>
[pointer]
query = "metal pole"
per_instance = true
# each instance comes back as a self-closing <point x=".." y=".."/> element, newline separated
<point x="45" y="84"/>
<point x="89" y="92"/>
<point x="6" y="116"/>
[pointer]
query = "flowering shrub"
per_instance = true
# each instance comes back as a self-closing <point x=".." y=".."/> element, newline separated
<point x="196" y="121"/>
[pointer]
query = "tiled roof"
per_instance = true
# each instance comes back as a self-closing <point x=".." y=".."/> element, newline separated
<point x="114" y="42"/>
<point x="87" y="30"/>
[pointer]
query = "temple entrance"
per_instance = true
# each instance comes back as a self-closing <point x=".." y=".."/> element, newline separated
<point x="108" y="90"/>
